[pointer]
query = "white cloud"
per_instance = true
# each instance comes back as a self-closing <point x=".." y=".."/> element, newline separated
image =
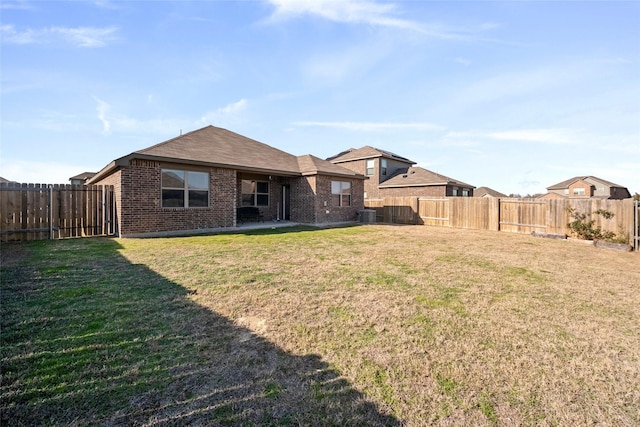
<point x="17" y="5"/>
<point x="78" y="37"/>
<point x="373" y="126"/>
<point x="224" y="114"/>
<point x="350" y="11"/>
<point x="462" y="61"/>
<point x="547" y="136"/>
<point x="336" y="66"/>
<point x="368" y="13"/>
<point x="103" y="108"/>
<point x="118" y="123"/>
<point x="35" y="172"/>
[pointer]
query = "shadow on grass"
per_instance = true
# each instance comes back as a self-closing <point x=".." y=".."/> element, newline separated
<point x="89" y="338"/>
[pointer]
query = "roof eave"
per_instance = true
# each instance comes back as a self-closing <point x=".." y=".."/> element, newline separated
<point x="407" y="161"/>
<point x="431" y="184"/>
<point x="124" y="161"/>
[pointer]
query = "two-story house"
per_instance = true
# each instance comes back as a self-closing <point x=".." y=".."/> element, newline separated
<point x="391" y="175"/>
<point x="587" y="187"/>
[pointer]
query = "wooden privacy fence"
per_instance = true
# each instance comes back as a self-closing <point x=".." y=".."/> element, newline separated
<point x="507" y="214"/>
<point x="47" y="211"/>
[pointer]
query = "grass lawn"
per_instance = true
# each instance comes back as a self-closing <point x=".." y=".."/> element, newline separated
<point x="371" y="325"/>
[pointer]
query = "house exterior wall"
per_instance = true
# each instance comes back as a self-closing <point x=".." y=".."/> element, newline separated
<point x="139" y="207"/>
<point x="269" y="212"/>
<point x="581" y="189"/>
<point x="115" y="179"/>
<point x="423" y="191"/>
<point x="371" y="185"/>
<point x="138" y="191"/>
<point x="327" y="211"/>
<point x="431" y="191"/>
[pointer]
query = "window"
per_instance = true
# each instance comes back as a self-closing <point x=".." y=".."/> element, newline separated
<point x="566" y="192"/>
<point x="370" y="167"/>
<point x="578" y="191"/>
<point x="383" y="167"/>
<point x="255" y="193"/>
<point x="465" y="192"/>
<point x="184" y="189"/>
<point x="340" y="193"/>
<point x="454" y="191"/>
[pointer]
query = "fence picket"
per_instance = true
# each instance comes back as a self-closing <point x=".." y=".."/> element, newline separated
<point x="506" y="214"/>
<point x="40" y="211"/>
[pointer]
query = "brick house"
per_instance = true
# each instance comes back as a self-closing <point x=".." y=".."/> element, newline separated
<point x="198" y="180"/>
<point x="585" y="187"/>
<point x="391" y="175"/>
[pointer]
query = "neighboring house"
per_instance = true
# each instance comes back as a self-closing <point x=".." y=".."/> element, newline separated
<point x="6" y="181"/>
<point x="198" y="181"/>
<point x="391" y="175"/>
<point x="584" y="187"/>
<point x="82" y="178"/>
<point x="487" y="192"/>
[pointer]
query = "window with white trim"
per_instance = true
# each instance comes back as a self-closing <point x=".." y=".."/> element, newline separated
<point x="341" y="193"/>
<point x="255" y="193"/>
<point x="371" y="164"/>
<point x="579" y="191"/>
<point x="184" y="189"/>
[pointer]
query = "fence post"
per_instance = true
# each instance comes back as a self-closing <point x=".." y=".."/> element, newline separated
<point x="50" y="212"/>
<point x="636" y="226"/>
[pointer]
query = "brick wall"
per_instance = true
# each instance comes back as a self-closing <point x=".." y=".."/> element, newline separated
<point x="584" y="186"/>
<point x="137" y="191"/>
<point x="431" y="191"/>
<point x="303" y="196"/>
<point x="326" y="211"/>
<point x="139" y="207"/>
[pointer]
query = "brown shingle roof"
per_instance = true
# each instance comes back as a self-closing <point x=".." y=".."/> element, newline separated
<point x="588" y="178"/>
<point x="213" y="146"/>
<point x="312" y="165"/>
<point x="83" y="176"/>
<point x="419" y="177"/>
<point x="482" y="191"/>
<point x="366" y="152"/>
<point x="220" y="146"/>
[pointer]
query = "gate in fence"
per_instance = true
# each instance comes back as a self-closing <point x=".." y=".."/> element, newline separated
<point x="46" y="211"/>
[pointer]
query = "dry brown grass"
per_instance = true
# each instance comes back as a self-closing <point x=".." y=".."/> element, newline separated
<point x="437" y="326"/>
<point x="434" y="326"/>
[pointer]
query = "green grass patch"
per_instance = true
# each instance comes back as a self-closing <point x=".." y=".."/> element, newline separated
<point x="367" y="326"/>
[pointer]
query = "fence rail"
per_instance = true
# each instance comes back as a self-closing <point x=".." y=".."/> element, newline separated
<point x="47" y="211"/>
<point x="507" y="214"/>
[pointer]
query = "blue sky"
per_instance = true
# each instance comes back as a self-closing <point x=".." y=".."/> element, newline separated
<point x="513" y="95"/>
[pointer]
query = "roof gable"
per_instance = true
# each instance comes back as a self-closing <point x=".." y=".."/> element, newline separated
<point x="418" y="177"/>
<point x="367" y="152"/>
<point x="482" y="191"/>
<point x="222" y="147"/>
<point x="312" y="165"/>
<point x="213" y="146"/>
<point x="589" y="179"/>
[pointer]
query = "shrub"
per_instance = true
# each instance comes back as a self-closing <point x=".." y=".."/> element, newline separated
<point x="585" y="229"/>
